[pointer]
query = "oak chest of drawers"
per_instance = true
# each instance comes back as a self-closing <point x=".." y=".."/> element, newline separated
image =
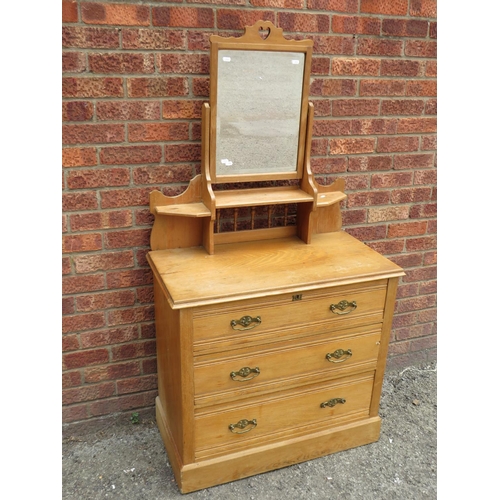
<point x="269" y="352"/>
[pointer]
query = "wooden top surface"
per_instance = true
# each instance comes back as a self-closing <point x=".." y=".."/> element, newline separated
<point x="254" y="269"/>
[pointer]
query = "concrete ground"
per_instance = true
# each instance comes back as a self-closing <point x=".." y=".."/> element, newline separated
<point x="128" y="461"/>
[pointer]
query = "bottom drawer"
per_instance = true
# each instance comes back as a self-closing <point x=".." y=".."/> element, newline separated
<point x="289" y="410"/>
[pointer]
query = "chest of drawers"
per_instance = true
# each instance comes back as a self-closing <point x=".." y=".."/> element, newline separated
<point x="269" y="353"/>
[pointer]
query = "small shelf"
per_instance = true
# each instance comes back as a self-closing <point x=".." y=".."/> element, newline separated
<point x="184" y="210"/>
<point x="326" y="199"/>
<point x="260" y="196"/>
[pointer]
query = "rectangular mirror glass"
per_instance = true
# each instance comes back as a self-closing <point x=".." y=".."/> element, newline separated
<point x="259" y="100"/>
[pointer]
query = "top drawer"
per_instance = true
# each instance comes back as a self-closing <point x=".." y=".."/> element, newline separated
<point x="332" y="308"/>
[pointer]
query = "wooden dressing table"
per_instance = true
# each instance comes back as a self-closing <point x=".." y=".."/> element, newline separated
<point x="271" y="336"/>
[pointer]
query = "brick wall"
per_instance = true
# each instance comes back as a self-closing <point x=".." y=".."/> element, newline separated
<point x="135" y="74"/>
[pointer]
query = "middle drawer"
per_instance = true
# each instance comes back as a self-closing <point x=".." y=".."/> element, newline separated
<point x="312" y="359"/>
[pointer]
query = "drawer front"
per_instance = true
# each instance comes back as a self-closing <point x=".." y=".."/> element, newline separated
<point x="332" y="307"/>
<point x="312" y="359"/>
<point x="324" y="402"/>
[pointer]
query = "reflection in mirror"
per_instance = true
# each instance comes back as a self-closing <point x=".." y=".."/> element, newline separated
<point x="259" y="98"/>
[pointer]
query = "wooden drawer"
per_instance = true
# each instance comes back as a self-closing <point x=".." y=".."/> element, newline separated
<point x="352" y="305"/>
<point x="291" y="409"/>
<point x="303" y="361"/>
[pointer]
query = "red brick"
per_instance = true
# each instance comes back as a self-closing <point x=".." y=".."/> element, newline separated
<point x="333" y="5"/>
<point x="143" y="217"/>
<point x="134" y="350"/>
<point x="66" y="265"/>
<point x="145" y="295"/>
<point x="429" y="143"/>
<point x="397" y="67"/>
<point x="77" y="111"/>
<point x="109" y="336"/>
<point x="394" y="144"/>
<point x="88" y="393"/>
<point x="70" y="343"/>
<point x="201" y="87"/>
<point x="112" y="372"/>
<point x="355" y="66"/>
<point x="157" y="87"/>
<point x="131" y="110"/>
<point x="433" y="30"/>
<point x="149" y="366"/>
<point x="131" y="278"/>
<point x="132" y="315"/>
<point x="411" y="195"/>
<point x="120" y="14"/>
<point x="146" y="132"/>
<point x="79" y="201"/>
<point x="369" y="163"/>
<point x="402" y="106"/>
<point x="90" y="38"/>
<point x="138" y="384"/>
<point x="431" y="107"/>
<point x="404" y="27"/>
<point x="71" y="379"/>
<point x="83" y="322"/>
<point x="80" y="284"/>
<point x="411" y="125"/>
<point x="104" y="407"/>
<point x="148" y="330"/>
<point x="81" y="243"/>
<point x="420" y="48"/>
<point x="151" y="39"/>
<point x="350" y="217"/>
<point x="237" y="19"/>
<point x="117" y="198"/>
<point x="283" y="4"/>
<point x="373" y="126"/>
<point x="425" y="288"/>
<point x="185" y="109"/>
<point x="392" y="180"/>
<point x="416" y="303"/>
<point x="328" y="165"/>
<point x="92" y="87"/>
<point x="333" y="44"/>
<point x="388" y="247"/>
<point x="431" y="68"/>
<point x="320" y="66"/>
<point x="93" y="133"/>
<point x="381" y="87"/>
<point x="418" y="244"/>
<point x="367" y="233"/>
<point x="356" y="183"/>
<point x="368" y="198"/>
<point x="184" y="63"/>
<point x="407" y="229"/>
<point x="352" y="146"/>
<point x="127" y="238"/>
<point x="69" y="11"/>
<point x="423" y="8"/>
<point x="413" y="161"/>
<point x="162" y="174"/>
<point x="421" y="274"/>
<point x="355" y="107"/>
<point x="298" y="22"/>
<point x="390" y="7"/>
<point x="85" y="179"/>
<point x="183" y="17"/>
<point x="423" y="211"/>
<point x="319" y="147"/>
<point x="379" y="47"/>
<point x="333" y="87"/>
<point x="73" y="62"/>
<point x="332" y="127"/>
<point x="121" y="63"/>
<point x="103" y="261"/>
<point x="199" y="40"/>
<point x="356" y="25"/>
<point x="101" y="220"/>
<point x="421" y="88"/>
<point x="74" y="413"/>
<point x="387" y="214"/>
<point x="122" y="155"/>
<point x="79" y="157"/>
<point x="430" y="258"/>
<point x="406" y="261"/>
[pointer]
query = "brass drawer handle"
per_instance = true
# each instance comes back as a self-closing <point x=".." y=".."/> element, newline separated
<point x="341" y="307"/>
<point x="242" y="424"/>
<point x="337" y="355"/>
<point x="244" y="373"/>
<point x="332" y="402"/>
<point x="247" y="322"/>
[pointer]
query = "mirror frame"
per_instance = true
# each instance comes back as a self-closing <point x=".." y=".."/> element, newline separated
<point x="274" y="42"/>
